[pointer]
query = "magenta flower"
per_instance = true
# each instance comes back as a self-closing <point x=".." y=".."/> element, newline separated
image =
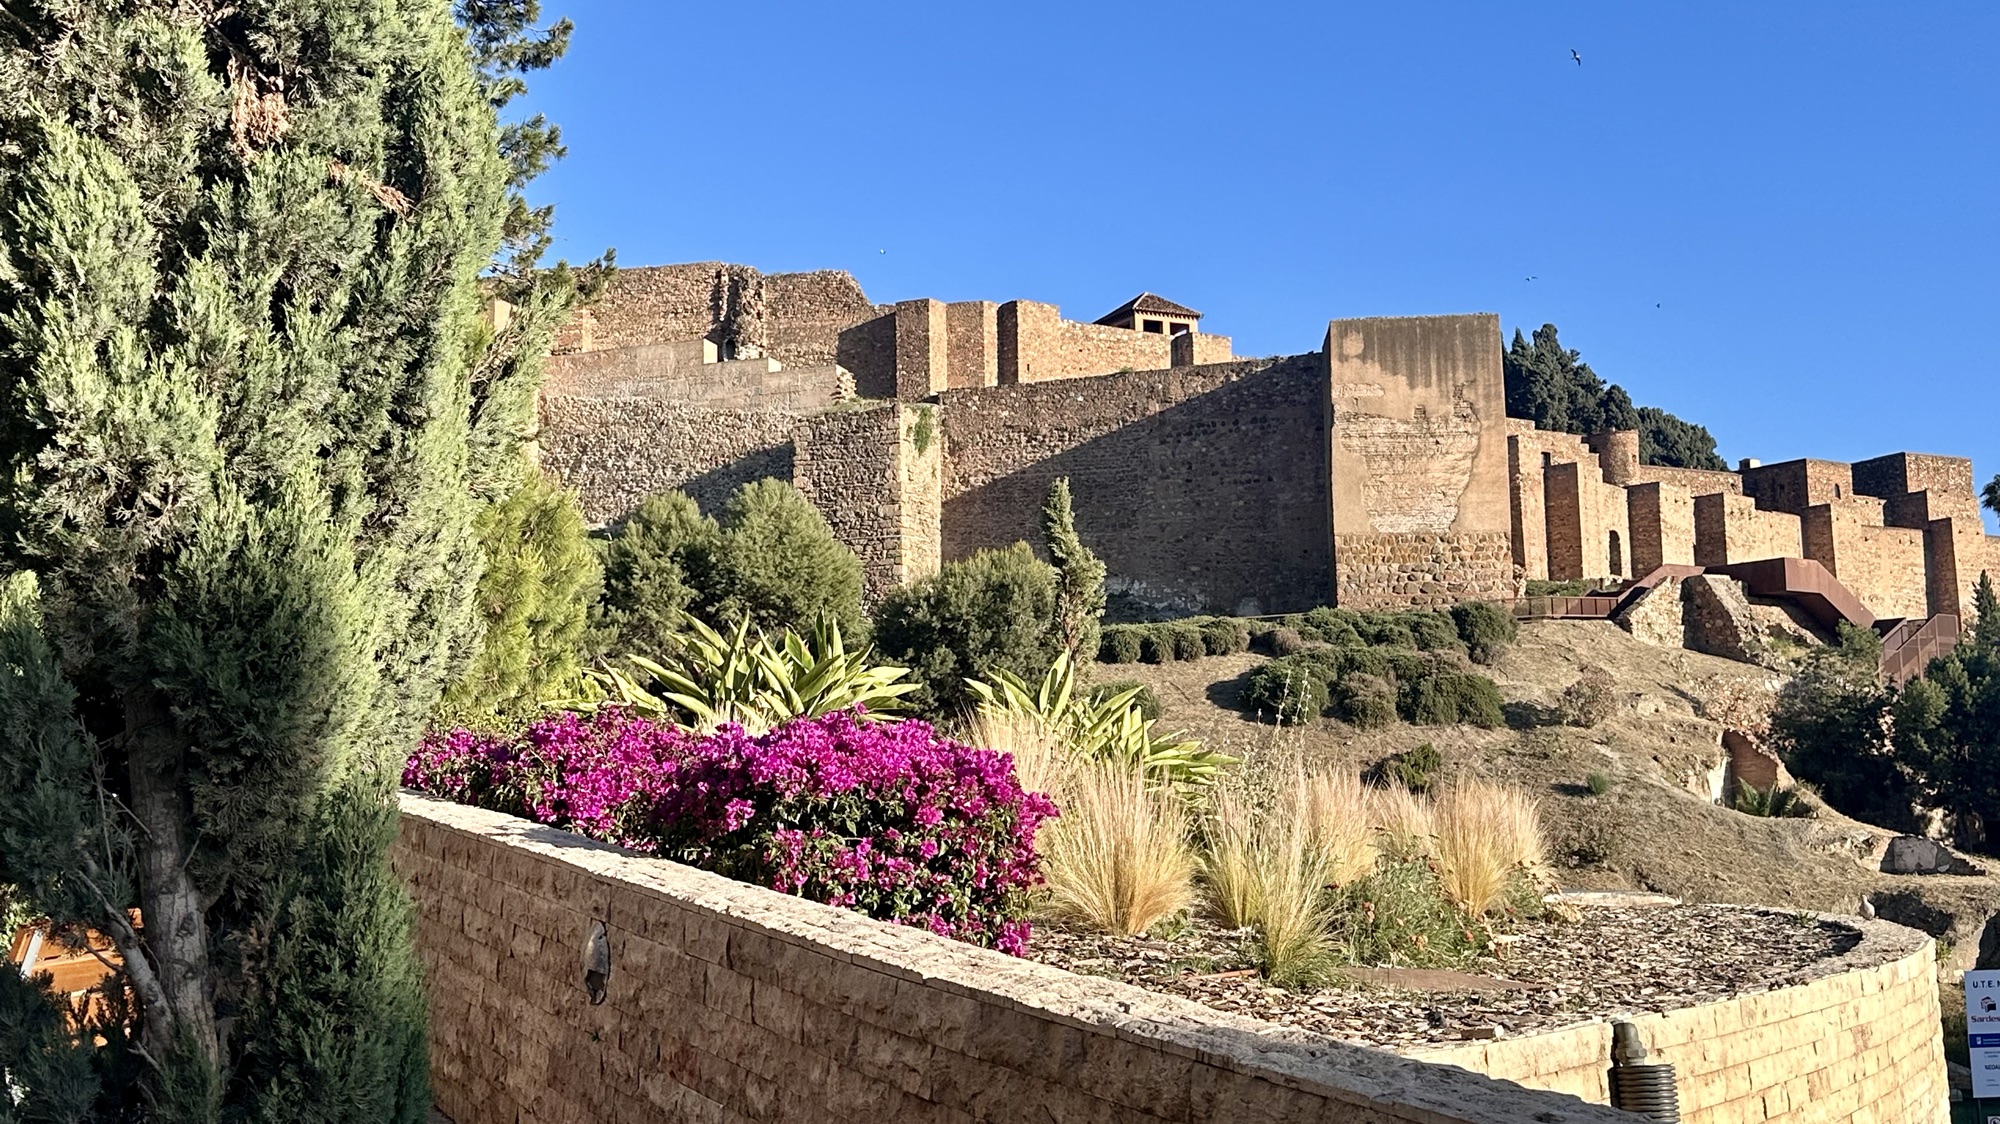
<point x="887" y="818"/>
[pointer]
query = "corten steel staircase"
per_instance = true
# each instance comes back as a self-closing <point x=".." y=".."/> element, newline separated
<point x="1908" y="645"/>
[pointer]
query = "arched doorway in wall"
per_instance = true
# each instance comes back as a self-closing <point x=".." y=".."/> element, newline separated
<point x="1617" y="558"/>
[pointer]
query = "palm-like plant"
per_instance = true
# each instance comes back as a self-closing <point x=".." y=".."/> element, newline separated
<point x="751" y="679"/>
<point x="1105" y="729"/>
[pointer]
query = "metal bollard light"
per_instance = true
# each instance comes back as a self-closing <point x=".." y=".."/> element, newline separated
<point x="1648" y="1090"/>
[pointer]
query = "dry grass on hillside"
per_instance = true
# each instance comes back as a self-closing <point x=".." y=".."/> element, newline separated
<point x="1656" y="826"/>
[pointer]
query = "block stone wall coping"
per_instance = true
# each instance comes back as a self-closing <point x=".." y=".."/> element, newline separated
<point x="1372" y="1080"/>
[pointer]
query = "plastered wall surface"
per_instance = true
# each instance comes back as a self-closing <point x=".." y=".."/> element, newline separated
<point x="1200" y="487"/>
<point x="1418" y="447"/>
<point x="727" y="1002"/>
<point x="1860" y="1044"/>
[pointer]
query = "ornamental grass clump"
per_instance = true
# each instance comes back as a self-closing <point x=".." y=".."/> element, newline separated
<point x="886" y="818"/>
<point x="1486" y="837"/>
<point x="1118" y="859"/>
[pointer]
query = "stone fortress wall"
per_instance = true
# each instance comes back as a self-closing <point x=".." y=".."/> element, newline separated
<point x="1379" y="471"/>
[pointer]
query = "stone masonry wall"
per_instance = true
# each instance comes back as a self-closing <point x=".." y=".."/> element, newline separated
<point x="1793" y="486"/>
<point x="973" y="344"/>
<point x="661" y="371"/>
<point x="1860" y="1044"/>
<point x="1883" y="566"/>
<point x="1898" y="473"/>
<point x="1036" y="344"/>
<point x="617" y="451"/>
<point x="795" y="317"/>
<point x="730" y="1003"/>
<point x="1730" y="528"/>
<point x="1423" y="570"/>
<point x="1588" y="532"/>
<point x="1418" y="446"/>
<point x="1530" y="452"/>
<point x="863" y="470"/>
<point x="1662" y="521"/>
<point x="1697" y="481"/>
<point x="1202" y="488"/>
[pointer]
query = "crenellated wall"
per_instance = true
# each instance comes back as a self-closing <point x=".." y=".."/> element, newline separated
<point x="1730" y="528"/>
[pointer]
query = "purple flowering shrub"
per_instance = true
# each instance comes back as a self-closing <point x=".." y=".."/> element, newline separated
<point x="887" y="818"/>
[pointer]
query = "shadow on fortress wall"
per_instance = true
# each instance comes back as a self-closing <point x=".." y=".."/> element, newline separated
<point x="1217" y="498"/>
<point x="712" y="489"/>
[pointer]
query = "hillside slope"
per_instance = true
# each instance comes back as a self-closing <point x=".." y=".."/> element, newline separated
<point x="1657" y="826"/>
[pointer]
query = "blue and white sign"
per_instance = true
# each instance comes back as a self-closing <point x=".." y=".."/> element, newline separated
<point x="1982" y="1031"/>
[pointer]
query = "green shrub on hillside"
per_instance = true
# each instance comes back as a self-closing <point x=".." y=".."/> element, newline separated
<point x="1287" y="691"/>
<point x="1446" y="697"/>
<point x="1415" y="769"/>
<point x="1144" y="699"/>
<point x="1155" y="645"/>
<point x="1485" y="628"/>
<point x="1364" y="701"/>
<point x="1433" y="632"/>
<point x="1185" y="639"/>
<point x="991" y="612"/>
<point x="1120" y="643"/>
<point x="1224" y="636"/>
<point x="653" y="564"/>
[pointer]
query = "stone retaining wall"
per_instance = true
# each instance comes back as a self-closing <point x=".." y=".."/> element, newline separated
<point x="728" y="1002"/>
<point x="1858" y="1044"/>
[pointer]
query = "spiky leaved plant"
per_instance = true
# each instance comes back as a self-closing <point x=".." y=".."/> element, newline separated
<point x="241" y="449"/>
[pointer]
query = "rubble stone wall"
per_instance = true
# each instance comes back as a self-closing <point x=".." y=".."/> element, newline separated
<point x="1201" y="488"/>
<point x="1793" y="486"/>
<point x="617" y="451"/>
<point x="863" y="471"/>
<point x="1590" y="537"/>
<point x="1036" y="344"/>
<point x="662" y="371"/>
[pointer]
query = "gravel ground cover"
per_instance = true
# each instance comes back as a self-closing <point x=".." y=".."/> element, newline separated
<point x="1546" y="975"/>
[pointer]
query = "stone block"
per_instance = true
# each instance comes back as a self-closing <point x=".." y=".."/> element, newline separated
<point x="1913" y="854"/>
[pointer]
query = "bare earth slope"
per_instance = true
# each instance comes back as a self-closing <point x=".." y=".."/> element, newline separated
<point x="1657" y="826"/>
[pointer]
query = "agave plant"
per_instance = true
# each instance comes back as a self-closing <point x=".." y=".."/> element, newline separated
<point x="1110" y="728"/>
<point x="751" y="679"/>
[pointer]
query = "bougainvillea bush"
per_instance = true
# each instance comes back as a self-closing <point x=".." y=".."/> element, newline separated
<point x="887" y="818"/>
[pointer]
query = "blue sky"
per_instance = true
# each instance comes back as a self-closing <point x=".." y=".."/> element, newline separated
<point x="1774" y="219"/>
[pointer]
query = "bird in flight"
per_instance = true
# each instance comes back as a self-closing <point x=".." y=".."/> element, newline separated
<point x="1577" y="57"/>
<point x="1528" y="278"/>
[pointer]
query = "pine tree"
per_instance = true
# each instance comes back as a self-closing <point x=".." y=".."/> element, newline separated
<point x="652" y="566"/>
<point x="245" y="436"/>
<point x="1552" y="386"/>
<point x="1079" y="577"/>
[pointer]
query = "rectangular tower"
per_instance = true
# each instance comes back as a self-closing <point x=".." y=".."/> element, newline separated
<point x="1416" y="411"/>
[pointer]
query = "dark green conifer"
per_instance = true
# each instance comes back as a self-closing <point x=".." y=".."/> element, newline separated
<point x="1079" y="577"/>
<point x="246" y="421"/>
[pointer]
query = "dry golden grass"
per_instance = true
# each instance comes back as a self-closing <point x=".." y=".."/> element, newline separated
<point x="1405" y="828"/>
<point x="1117" y="859"/>
<point x="1484" y="834"/>
<point x="1332" y="810"/>
<point x="1229" y="865"/>
<point x="1292" y="875"/>
<point x="1041" y="762"/>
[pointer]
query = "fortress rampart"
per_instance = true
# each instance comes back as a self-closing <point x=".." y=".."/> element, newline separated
<point x="1379" y="471"/>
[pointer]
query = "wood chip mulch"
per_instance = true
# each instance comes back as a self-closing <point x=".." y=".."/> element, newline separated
<point x="1611" y="961"/>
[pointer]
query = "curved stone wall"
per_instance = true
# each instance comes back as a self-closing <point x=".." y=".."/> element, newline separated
<point x="729" y="1002"/>
<point x="1858" y="1041"/>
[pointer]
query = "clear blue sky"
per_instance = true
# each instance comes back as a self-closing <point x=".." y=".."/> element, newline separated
<point x="1778" y="220"/>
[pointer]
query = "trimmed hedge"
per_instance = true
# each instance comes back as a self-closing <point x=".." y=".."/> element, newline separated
<point x="1119" y="643"/>
<point x="1369" y="687"/>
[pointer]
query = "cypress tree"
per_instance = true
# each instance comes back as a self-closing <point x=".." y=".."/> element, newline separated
<point x="246" y="422"/>
<point x="1079" y="577"/>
